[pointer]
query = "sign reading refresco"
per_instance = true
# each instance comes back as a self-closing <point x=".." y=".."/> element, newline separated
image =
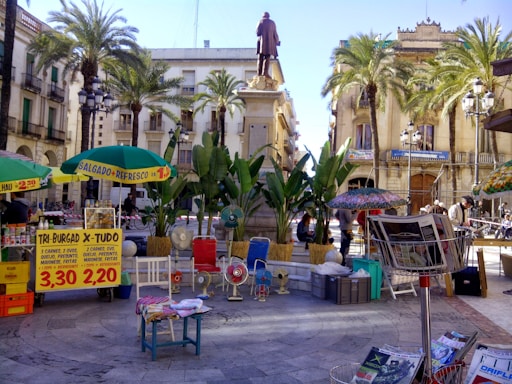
<point x="130" y="176"/>
<point x="76" y="259"/>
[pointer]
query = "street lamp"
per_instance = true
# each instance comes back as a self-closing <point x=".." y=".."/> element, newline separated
<point x="406" y="140"/>
<point x="93" y="102"/>
<point x="182" y="139"/>
<point x="472" y="108"/>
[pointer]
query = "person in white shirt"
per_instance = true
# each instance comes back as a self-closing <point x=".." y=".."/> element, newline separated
<point x="459" y="212"/>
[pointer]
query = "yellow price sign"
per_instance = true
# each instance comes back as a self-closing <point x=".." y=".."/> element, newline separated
<point x="77" y="259"/>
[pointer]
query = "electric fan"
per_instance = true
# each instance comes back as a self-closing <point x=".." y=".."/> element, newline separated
<point x="229" y="216"/>
<point x="181" y="239"/>
<point x="236" y="274"/>
<point x="263" y="279"/>
<point x="282" y="276"/>
<point x="203" y="279"/>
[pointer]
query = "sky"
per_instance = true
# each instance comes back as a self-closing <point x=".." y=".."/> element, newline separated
<point x="309" y="31"/>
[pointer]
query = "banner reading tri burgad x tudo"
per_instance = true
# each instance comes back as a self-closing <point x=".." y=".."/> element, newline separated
<point x="77" y="259"/>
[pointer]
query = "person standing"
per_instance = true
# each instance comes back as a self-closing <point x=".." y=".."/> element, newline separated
<point x="129" y="208"/>
<point x="268" y="40"/>
<point x="346" y="217"/>
<point x="459" y="213"/>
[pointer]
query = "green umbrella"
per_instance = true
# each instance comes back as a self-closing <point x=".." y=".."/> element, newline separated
<point x="124" y="164"/>
<point x="20" y="175"/>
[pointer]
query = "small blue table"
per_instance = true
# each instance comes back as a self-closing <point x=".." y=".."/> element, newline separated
<point x="186" y="339"/>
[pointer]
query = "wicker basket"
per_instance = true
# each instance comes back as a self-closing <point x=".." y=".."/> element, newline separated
<point x="343" y="373"/>
<point x="280" y="252"/>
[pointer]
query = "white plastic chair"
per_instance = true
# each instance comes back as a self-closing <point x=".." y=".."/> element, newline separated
<point x="153" y="272"/>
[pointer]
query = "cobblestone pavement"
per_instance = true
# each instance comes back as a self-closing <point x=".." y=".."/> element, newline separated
<point x="77" y="337"/>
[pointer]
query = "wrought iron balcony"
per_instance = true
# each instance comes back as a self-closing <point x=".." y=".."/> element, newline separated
<point x="55" y="93"/>
<point x="31" y="83"/>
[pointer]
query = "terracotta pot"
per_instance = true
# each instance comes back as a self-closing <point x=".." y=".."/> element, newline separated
<point x="158" y="246"/>
<point x="317" y="252"/>
<point x="280" y="252"/>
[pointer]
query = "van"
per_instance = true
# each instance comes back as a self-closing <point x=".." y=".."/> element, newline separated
<point x="142" y="199"/>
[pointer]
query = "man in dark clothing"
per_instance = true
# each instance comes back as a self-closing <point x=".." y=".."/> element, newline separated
<point x="129" y="208"/>
<point x="17" y="210"/>
<point x="268" y="40"/>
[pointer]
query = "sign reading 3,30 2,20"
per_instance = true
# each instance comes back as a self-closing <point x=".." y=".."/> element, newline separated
<point x="72" y="278"/>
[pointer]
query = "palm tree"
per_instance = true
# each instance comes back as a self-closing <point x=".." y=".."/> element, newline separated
<point x="369" y="62"/>
<point x="85" y="40"/>
<point x="433" y="90"/>
<point x="10" y="32"/>
<point x="220" y="91"/>
<point x="141" y="86"/>
<point x="471" y="57"/>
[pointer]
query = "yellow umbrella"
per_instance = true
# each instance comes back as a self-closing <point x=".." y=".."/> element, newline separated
<point x="59" y="177"/>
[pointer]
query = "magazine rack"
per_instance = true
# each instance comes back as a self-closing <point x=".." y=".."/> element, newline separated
<point x="408" y="256"/>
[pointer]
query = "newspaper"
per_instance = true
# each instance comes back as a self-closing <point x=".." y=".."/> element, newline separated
<point x="413" y="242"/>
<point x="388" y="365"/>
<point x="490" y="364"/>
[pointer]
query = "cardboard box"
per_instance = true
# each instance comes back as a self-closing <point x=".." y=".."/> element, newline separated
<point x="18" y="304"/>
<point x="11" y="289"/>
<point x="14" y="272"/>
<point x="318" y="285"/>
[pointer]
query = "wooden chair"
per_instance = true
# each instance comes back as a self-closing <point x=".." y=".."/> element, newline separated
<point x="154" y="272"/>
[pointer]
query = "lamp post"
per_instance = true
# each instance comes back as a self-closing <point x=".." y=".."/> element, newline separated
<point x="410" y="141"/>
<point x="182" y="139"/>
<point x="472" y="108"/>
<point x="93" y="103"/>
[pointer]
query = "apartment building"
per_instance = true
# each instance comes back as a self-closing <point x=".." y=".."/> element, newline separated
<point x="38" y="113"/>
<point x="430" y="177"/>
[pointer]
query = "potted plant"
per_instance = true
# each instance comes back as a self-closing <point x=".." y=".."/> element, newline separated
<point x="244" y="190"/>
<point x="286" y="197"/>
<point x="331" y="171"/>
<point x="165" y="197"/>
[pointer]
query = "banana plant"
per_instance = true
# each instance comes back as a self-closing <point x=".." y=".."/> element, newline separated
<point x="210" y="166"/>
<point x="286" y="197"/>
<point x="165" y="197"/>
<point x="331" y="171"/>
<point x="243" y="187"/>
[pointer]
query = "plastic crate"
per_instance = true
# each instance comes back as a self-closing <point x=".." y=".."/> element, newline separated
<point x="13" y="288"/>
<point x="318" y="285"/>
<point x="18" y="304"/>
<point x="14" y="272"/>
<point x="354" y="290"/>
<point x="375" y="270"/>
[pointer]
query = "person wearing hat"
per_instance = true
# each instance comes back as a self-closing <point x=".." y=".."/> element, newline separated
<point x="459" y="212"/>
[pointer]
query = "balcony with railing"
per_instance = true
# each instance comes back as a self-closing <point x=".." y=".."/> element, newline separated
<point x="154" y="126"/>
<point x="122" y="126"/>
<point x="364" y="103"/>
<point x="56" y="135"/>
<point x="31" y="83"/>
<point x="55" y="93"/>
<point x="13" y="70"/>
<point x="187" y="90"/>
<point x="212" y="126"/>
<point x="30" y="129"/>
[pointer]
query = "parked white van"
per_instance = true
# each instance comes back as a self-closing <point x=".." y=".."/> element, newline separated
<point x="142" y="199"/>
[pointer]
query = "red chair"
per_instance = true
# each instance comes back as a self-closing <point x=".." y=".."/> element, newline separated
<point x="204" y="255"/>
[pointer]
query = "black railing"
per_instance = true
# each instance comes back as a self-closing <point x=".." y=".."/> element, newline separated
<point x="55" y="93"/>
<point x="31" y="83"/>
<point x="56" y="135"/>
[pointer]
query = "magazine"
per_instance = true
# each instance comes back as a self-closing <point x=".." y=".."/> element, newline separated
<point x="490" y="364"/>
<point x="452" y="242"/>
<point x="413" y="241"/>
<point x="388" y="365"/>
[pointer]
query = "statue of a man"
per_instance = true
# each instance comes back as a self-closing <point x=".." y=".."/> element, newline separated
<point x="268" y="40"/>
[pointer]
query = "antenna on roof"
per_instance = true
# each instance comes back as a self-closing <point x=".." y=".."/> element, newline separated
<point x="195" y="23"/>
